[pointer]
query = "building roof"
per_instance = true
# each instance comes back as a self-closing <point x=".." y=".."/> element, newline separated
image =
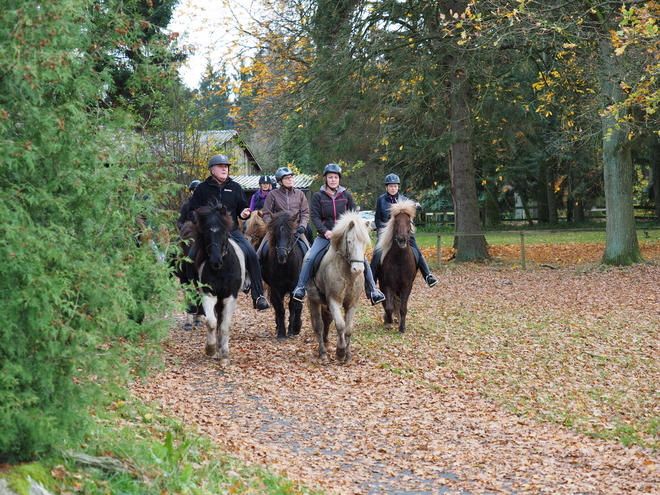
<point x="300" y="181"/>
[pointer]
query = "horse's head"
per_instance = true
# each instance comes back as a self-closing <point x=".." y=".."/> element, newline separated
<point x="400" y="227"/>
<point x="255" y="228"/>
<point x="350" y="238"/>
<point x="282" y="229"/>
<point x="213" y="226"/>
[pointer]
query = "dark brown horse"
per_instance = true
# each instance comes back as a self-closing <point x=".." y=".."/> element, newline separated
<point x="398" y="266"/>
<point x="280" y="269"/>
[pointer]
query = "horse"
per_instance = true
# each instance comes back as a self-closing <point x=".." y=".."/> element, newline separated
<point x="255" y="228"/>
<point x="185" y="272"/>
<point x="334" y="291"/>
<point x="398" y="266"/>
<point x="220" y="276"/>
<point x="280" y="269"/>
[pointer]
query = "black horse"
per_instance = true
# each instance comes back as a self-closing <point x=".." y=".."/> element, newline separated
<point x="220" y="275"/>
<point x="185" y="272"/>
<point x="280" y="269"/>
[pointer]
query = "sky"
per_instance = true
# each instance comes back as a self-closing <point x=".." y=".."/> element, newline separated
<point x="203" y="23"/>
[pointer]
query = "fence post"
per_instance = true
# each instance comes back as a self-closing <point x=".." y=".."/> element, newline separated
<point x="522" y="249"/>
<point x="439" y="249"/>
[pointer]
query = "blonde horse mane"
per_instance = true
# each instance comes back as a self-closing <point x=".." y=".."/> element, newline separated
<point x="350" y="220"/>
<point x="387" y="233"/>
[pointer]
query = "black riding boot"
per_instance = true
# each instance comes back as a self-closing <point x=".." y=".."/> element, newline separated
<point x="373" y="294"/>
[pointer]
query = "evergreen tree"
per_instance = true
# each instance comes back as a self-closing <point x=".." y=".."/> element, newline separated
<point x="82" y="291"/>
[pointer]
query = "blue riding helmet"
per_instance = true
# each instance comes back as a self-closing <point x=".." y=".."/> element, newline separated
<point x="193" y="185"/>
<point x="332" y="168"/>
<point x="392" y="179"/>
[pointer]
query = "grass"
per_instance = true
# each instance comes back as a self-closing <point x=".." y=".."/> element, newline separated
<point x="159" y="455"/>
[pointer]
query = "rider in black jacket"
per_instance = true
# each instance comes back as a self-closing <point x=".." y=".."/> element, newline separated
<point x="220" y="188"/>
<point x="385" y="201"/>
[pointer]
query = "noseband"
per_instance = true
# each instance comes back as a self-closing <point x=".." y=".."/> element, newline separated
<point x="347" y="256"/>
<point x="223" y="248"/>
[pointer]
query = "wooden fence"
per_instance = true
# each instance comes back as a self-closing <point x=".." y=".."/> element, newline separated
<point x="521" y="233"/>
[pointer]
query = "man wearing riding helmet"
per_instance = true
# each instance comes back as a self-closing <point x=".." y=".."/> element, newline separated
<point x="185" y="206"/>
<point x="219" y="188"/>
<point x="383" y="204"/>
<point x="286" y="198"/>
<point x="259" y="198"/>
<point x="328" y="204"/>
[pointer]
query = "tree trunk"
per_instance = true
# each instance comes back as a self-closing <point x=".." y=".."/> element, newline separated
<point x="654" y="172"/>
<point x="621" y="243"/>
<point x="543" y="215"/>
<point x="553" y="216"/>
<point x="461" y="170"/>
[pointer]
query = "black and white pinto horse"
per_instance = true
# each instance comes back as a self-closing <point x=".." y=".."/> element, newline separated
<point x="334" y="292"/>
<point x="280" y="269"/>
<point x="221" y="275"/>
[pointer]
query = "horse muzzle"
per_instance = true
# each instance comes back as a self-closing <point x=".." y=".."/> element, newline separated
<point x="402" y="241"/>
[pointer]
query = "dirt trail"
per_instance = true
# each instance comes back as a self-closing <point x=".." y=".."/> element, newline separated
<point x="363" y="429"/>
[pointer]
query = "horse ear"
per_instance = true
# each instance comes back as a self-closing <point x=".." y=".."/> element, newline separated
<point x="223" y="210"/>
<point x="260" y="213"/>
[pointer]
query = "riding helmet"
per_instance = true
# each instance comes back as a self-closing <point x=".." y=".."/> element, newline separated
<point x="219" y="160"/>
<point x="332" y="168"/>
<point x="264" y="179"/>
<point x="282" y="172"/>
<point x="193" y="185"/>
<point x="392" y="179"/>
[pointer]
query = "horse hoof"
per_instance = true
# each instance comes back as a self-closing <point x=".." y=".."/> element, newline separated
<point x="341" y="354"/>
<point x="187" y="326"/>
<point x="199" y="323"/>
<point x="281" y="338"/>
<point x="210" y="350"/>
<point x="402" y="330"/>
<point x="388" y="326"/>
<point x="224" y="362"/>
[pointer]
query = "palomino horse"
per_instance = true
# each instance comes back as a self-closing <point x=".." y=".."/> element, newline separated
<point x="334" y="292"/>
<point x="280" y="269"/>
<point x="255" y="228"/>
<point x="220" y="268"/>
<point x="398" y="265"/>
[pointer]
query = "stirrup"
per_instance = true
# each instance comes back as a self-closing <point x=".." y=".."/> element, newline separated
<point x="431" y="280"/>
<point x="260" y="304"/>
<point x="299" y="294"/>
<point x="377" y="297"/>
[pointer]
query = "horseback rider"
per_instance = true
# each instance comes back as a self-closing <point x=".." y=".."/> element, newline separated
<point x="383" y="204"/>
<point x="219" y="188"/>
<point x="328" y="204"/>
<point x="184" y="207"/>
<point x="259" y="197"/>
<point x="286" y="198"/>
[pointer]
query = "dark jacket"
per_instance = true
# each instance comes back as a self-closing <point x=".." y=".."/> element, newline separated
<point x="327" y="209"/>
<point x="210" y="193"/>
<point x="183" y="214"/>
<point x="383" y="204"/>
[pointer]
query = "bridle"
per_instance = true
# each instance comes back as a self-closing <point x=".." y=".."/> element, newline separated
<point x="287" y="249"/>
<point x="347" y="256"/>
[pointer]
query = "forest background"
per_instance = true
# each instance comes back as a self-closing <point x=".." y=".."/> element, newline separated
<point x="469" y="102"/>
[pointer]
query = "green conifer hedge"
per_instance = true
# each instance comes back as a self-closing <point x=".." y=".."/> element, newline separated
<point x="82" y="294"/>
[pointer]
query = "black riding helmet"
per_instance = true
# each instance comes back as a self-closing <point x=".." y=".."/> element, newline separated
<point x="332" y="168"/>
<point x="219" y="160"/>
<point x="264" y="179"/>
<point x="392" y="179"/>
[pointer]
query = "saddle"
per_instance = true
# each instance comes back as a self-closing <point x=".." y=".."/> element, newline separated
<point x="316" y="262"/>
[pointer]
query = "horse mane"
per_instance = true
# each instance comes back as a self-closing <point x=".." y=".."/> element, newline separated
<point x="350" y="219"/>
<point x="387" y="233"/>
<point x="284" y="218"/>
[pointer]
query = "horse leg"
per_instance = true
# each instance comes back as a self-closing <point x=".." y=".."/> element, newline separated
<point x="327" y="321"/>
<point x="209" y="302"/>
<point x="225" y="311"/>
<point x="277" y="301"/>
<point x="318" y="325"/>
<point x="340" y="324"/>
<point x="388" y="307"/>
<point x="403" y="310"/>
<point x="188" y="325"/>
<point x="348" y="332"/>
<point x="295" y="317"/>
<point x="198" y="316"/>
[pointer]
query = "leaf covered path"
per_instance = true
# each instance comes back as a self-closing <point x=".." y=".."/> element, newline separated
<point x="403" y="417"/>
